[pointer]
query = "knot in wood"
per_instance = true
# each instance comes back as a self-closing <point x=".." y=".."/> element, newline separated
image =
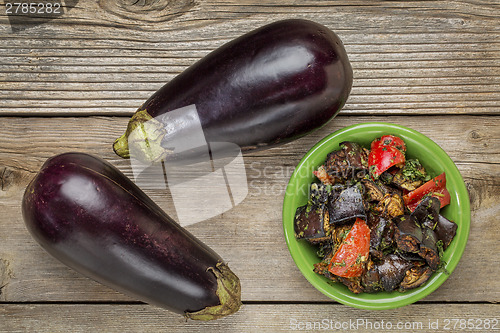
<point x="6" y="178"/>
<point x="147" y="10"/>
<point x="143" y="5"/>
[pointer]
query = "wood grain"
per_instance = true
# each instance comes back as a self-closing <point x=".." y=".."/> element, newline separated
<point x="419" y="57"/>
<point x="251" y="318"/>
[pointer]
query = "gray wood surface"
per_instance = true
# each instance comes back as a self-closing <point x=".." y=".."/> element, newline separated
<point x="70" y="84"/>
<point x="251" y="318"/>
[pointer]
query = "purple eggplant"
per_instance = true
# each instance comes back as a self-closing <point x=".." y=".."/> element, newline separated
<point x="415" y="277"/>
<point x="371" y="278"/>
<point x="88" y="215"/>
<point x="407" y="233"/>
<point x="428" y="248"/>
<point x="311" y="223"/>
<point x="349" y="162"/>
<point x="269" y="86"/>
<point x="347" y="206"/>
<point x="445" y="230"/>
<point x="392" y="271"/>
<point x="427" y="212"/>
<point x="377" y="235"/>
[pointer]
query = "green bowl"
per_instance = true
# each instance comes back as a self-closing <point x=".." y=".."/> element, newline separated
<point x="432" y="157"/>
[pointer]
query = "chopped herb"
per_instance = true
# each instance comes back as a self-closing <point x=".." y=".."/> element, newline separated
<point x="339" y="264"/>
<point x="414" y="171"/>
<point x="360" y="259"/>
<point x="442" y="263"/>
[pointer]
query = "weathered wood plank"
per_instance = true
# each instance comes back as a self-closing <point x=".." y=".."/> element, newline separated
<point x="408" y="57"/>
<point x="250" y="318"/>
<point x="255" y="225"/>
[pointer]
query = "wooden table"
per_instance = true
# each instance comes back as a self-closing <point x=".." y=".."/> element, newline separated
<point x="71" y="83"/>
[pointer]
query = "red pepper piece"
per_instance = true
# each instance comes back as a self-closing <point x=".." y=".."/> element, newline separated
<point x="384" y="157"/>
<point x="349" y="259"/>
<point x="389" y="140"/>
<point x="435" y="187"/>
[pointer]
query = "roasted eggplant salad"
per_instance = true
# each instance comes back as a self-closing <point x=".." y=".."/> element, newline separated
<point x="375" y="218"/>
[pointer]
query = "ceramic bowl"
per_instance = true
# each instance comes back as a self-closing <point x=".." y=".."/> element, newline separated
<point x="432" y="157"/>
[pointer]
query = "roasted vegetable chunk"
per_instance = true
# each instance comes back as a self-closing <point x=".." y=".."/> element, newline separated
<point x="347" y="206"/>
<point x="351" y="256"/>
<point x="435" y="187"/>
<point x="320" y="193"/>
<point x="415" y="277"/>
<point x="356" y="156"/>
<point x="427" y="212"/>
<point x="311" y="223"/>
<point x="383" y="158"/>
<point x="411" y="176"/>
<point x="371" y="279"/>
<point x="445" y="230"/>
<point x="347" y="162"/>
<point x="428" y="249"/>
<point x="407" y="234"/>
<point x="392" y="270"/>
<point x="392" y="205"/>
<point x="354" y="284"/>
<point x="377" y="244"/>
<point x="372" y="191"/>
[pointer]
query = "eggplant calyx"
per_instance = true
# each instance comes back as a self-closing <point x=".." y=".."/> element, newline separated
<point x="228" y="291"/>
<point x="143" y="136"/>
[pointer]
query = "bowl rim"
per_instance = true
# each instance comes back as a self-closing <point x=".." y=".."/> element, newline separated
<point x="453" y="253"/>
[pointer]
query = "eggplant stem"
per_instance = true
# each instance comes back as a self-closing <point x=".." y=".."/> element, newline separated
<point x="120" y="147"/>
<point x="228" y="291"/>
<point x="144" y="135"/>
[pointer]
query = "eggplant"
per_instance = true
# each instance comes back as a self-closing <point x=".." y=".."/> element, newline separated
<point x="415" y="277"/>
<point x="311" y="223"/>
<point x="356" y="156"/>
<point x="349" y="162"/>
<point x="267" y="87"/>
<point x="427" y="212"/>
<point x="87" y="214"/>
<point x="312" y="220"/>
<point x="392" y="271"/>
<point x="445" y="230"/>
<point x="410" y="256"/>
<point x="372" y="191"/>
<point x="401" y="181"/>
<point x="371" y="278"/>
<point x="428" y="248"/>
<point x="321" y="193"/>
<point x="347" y="206"/>
<point x="407" y="233"/>
<point x="392" y="205"/>
<point x="377" y="235"/>
<point x="354" y="284"/>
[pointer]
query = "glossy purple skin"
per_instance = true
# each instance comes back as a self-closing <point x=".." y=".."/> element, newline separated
<point x="270" y="86"/>
<point x="87" y="214"/>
